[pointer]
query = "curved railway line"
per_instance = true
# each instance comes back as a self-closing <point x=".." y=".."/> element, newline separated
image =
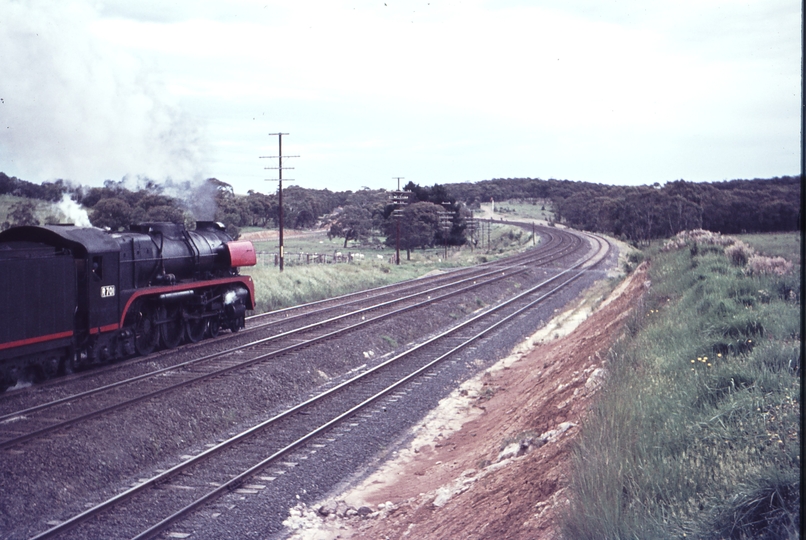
<point x="18" y="407"/>
<point x="196" y="480"/>
<point x="556" y="245"/>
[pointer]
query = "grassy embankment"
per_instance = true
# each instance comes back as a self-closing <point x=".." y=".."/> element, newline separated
<point x="697" y="434"/>
<point x="300" y="283"/>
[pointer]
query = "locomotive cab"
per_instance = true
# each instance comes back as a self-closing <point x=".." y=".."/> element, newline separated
<point x="100" y="278"/>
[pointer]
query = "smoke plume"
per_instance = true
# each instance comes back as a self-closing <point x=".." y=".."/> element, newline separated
<point x="72" y="106"/>
<point x="72" y="212"/>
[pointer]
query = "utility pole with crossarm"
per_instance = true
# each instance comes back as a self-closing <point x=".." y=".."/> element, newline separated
<point x="399" y="198"/>
<point x="279" y="179"/>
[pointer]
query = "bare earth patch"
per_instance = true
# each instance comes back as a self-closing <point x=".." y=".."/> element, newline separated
<point x="492" y="461"/>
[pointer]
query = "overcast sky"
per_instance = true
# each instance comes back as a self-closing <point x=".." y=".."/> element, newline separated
<point x="435" y="91"/>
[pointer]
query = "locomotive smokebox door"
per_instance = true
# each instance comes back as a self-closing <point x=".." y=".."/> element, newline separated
<point x="103" y="277"/>
<point x="241" y="253"/>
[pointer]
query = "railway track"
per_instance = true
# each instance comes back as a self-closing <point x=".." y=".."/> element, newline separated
<point x="226" y="466"/>
<point x="21" y="408"/>
<point x="309" y="324"/>
<point x="21" y="426"/>
<point x="555" y="245"/>
<point x="308" y="328"/>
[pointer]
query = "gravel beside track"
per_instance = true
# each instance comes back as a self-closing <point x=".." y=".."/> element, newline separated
<point x="42" y="420"/>
<point x="356" y="449"/>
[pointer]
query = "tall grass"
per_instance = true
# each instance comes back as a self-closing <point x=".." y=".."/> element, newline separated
<point x="300" y="283"/>
<point x="697" y="434"/>
<point x="780" y="244"/>
<point x="307" y="283"/>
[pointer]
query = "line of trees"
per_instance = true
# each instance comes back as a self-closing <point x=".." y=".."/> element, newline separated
<point x="420" y="220"/>
<point x="635" y="213"/>
<point x="46" y="191"/>
<point x="641" y="213"/>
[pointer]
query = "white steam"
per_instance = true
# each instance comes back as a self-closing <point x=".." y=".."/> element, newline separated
<point x="72" y="106"/>
<point x="72" y="212"/>
<point x="230" y="297"/>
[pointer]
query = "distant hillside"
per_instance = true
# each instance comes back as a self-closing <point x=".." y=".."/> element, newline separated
<point x="640" y="213"/>
<point x="636" y="213"/>
<point x="46" y="191"/>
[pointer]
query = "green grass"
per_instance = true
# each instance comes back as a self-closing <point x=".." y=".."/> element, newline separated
<point x="786" y="244"/>
<point x="307" y="283"/>
<point x="300" y="283"/>
<point x="697" y="433"/>
<point x="540" y="210"/>
<point x="318" y="243"/>
<point x="503" y="239"/>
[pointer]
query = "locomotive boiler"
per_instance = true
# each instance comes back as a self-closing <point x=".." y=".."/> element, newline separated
<point x="71" y="297"/>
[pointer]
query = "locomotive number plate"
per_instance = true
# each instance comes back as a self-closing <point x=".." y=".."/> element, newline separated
<point x="107" y="291"/>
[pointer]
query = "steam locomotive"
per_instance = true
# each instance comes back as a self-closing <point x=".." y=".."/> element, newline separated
<point x="72" y="297"/>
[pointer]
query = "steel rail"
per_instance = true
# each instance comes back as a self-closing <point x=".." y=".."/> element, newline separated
<point x="549" y="232"/>
<point x="246" y="363"/>
<point x="513" y="260"/>
<point x="260" y="341"/>
<point x="392" y="286"/>
<point x="516" y="268"/>
<point x="162" y="477"/>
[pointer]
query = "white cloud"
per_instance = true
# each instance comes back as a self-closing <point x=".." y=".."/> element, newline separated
<point x="452" y="90"/>
<point x="75" y="107"/>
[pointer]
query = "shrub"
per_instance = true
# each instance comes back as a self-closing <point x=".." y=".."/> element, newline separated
<point x="759" y="264"/>
<point x="694" y="237"/>
<point x="739" y="253"/>
<point x="764" y="511"/>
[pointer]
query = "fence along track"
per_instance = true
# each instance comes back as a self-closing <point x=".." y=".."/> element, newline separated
<point x="272" y="258"/>
<point x="362" y="399"/>
<point x="553" y="241"/>
<point x="15" y="422"/>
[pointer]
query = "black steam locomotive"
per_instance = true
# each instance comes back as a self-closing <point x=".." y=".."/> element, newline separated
<point x="72" y="297"/>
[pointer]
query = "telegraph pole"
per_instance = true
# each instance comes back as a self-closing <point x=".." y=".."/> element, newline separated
<point x="471" y="225"/>
<point x="279" y="179"/>
<point x="399" y="198"/>
<point x="445" y="220"/>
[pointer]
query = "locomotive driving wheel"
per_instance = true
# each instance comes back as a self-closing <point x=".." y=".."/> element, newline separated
<point x="146" y="331"/>
<point x="236" y="324"/>
<point x="215" y="326"/>
<point x="195" y="327"/>
<point x="172" y="328"/>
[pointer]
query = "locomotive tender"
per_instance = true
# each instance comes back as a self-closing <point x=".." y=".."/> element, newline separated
<point x="72" y="297"/>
